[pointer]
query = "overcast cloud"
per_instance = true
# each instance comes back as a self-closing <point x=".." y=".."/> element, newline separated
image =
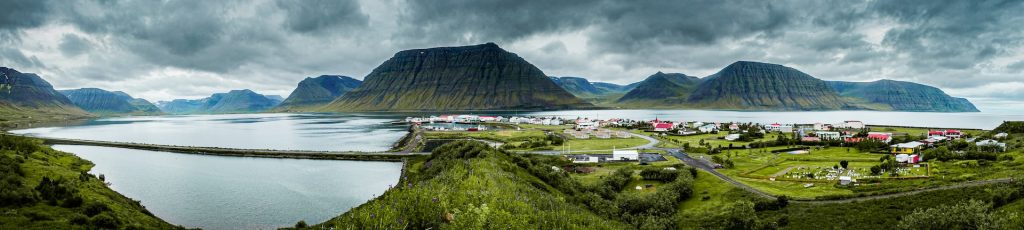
<point x="161" y="50"/>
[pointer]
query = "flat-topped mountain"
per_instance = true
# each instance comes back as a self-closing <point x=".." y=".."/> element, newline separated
<point x="100" y="101"/>
<point x="235" y="101"/>
<point x="23" y="95"/>
<point x="902" y="96"/>
<point x="661" y="89"/>
<point x="312" y="93"/>
<point x="763" y="86"/>
<point x="479" y="77"/>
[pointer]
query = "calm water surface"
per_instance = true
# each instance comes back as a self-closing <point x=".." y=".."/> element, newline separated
<point x="320" y="132"/>
<point x="217" y="192"/>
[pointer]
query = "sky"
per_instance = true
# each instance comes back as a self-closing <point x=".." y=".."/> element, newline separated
<point x="160" y="50"/>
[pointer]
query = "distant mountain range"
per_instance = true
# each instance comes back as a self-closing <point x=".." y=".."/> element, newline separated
<point x="235" y="101"/>
<point x="104" y="102"/>
<point x="748" y="85"/>
<point x="313" y="93"/>
<point x="479" y="77"/>
<point x="25" y="96"/>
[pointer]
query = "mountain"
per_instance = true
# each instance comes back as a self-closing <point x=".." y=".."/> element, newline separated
<point x="660" y="90"/>
<point x="479" y="77"/>
<point x="312" y="93"/>
<point x="235" y="101"/>
<point x="26" y="96"/>
<point x="100" y="101"/>
<point x="578" y="86"/>
<point x="763" y="86"/>
<point x="902" y="96"/>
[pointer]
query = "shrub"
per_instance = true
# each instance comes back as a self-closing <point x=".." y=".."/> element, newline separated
<point x="104" y="221"/>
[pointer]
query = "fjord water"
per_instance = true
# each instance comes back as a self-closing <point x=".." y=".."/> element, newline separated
<point x="320" y="132"/>
<point x="217" y="192"/>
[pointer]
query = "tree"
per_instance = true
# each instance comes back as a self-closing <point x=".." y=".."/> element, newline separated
<point x="970" y="214"/>
<point x="876" y="170"/>
<point x="845" y="164"/>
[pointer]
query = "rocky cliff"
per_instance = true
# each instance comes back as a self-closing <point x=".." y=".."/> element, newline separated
<point x="763" y="86"/>
<point x="23" y="95"/>
<point x="312" y="93"/>
<point x="100" y="101"/>
<point x="902" y="96"/>
<point x="479" y="77"/>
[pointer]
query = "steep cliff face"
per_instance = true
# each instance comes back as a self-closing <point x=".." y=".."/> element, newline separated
<point x="479" y="77"/>
<point x="100" y="101"/>
<point x="754" y="85"/>
<point x="903" y="96"/>
<point x="312" y="93"/>
<point x="235" y="101"/>
<point x="28" y="94"/>
<point x="661" y="89"/>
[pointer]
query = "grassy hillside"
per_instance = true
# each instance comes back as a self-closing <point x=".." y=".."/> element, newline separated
<point x="46" y="189"/>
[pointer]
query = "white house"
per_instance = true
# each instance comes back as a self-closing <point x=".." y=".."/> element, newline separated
<point x="708" y="128"/>
<point x="584" y="159"/>
<point x="1000" y="145"/>
<point x="1000" y="136"/>
<point x="786" y="128"/>
<point x="626" y="155"/>
<point x="586" y="125"/>
<point x="829" y="135"/>
<point x="853" y="124"/>
<point x="845" y="180"/>
<point x="820" y="126"/>
<point x="732" y="137"/>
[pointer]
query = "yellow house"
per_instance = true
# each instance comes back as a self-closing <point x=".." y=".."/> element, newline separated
<point x="906" y="148"/>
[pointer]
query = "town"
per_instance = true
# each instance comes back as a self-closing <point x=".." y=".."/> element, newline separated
<point x="808" y="161"/>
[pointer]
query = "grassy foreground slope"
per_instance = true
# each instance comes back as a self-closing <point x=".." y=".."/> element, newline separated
<point x="467" y="185"/>
<point x="41" y="188"/>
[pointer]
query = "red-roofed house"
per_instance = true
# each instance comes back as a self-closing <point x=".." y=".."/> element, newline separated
<point x="953" y="133"/>
<point x="932" y="133"/>
<point x="884" y="137"/>
<point x="662" y="127"/>
<point x="852" y="139"/>
<point x="810" y="139"/>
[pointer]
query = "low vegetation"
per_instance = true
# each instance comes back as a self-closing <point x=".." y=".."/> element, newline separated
<point x="41" y="188"/>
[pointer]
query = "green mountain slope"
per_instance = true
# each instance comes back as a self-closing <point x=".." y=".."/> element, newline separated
<point x="235" y="101"/>
<point x="479" y="77"/>
<point x="26" y="97"/>
<point x="903" y="96"/>
<point x="578" y="86"/>
<point x="312" y="93"/>
<point x="661" y="90"/>
<point x="105" y="102"/>
<point x="468" y="185"/>
<point x="615" y="87"/>
<point x="47" y="189"/>
<point x="763" y="86"/>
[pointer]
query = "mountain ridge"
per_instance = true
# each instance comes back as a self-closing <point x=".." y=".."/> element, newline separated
<point x="312" y="93"/>
<point x="99" y="101"/>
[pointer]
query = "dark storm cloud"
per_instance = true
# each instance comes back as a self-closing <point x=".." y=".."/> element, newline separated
<point x="315" y="15"/>
<point x="953" y="34"/>
<point x="15" y="14"/>
<point x="492" y="20"/>
<point x="72" y="45"/>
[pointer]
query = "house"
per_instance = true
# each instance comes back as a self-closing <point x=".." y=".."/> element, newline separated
<point x="821" y="126"/>
<point x="810" y="139"/>
<point x="906" y="148"/>
<point x="586" y="125"/>
<point x="626" y="155"/>
<point x="773" y="127"/>
<point x="953" y="133"/>
<point x="992" y="143"/>
<point x="696" y="124"/>
<point x="883" y="137"/>
<point x="708" y="128"/>
<point x="663" y="127"/>
<point x="852" y="139"/>
<point x="584" y="159"/>
<point x="853" y="124"/>
<point x="845" y="180"/>
<point x="914" y="159"/>
<point x="936" y="133"/>
<point x="828" y="135"/>
<point x="786" y="128"/>
<point x="1000" y="136"/>
<point x="732" y="137"/>
<point x="489" y="118"/>
<point x="734" y="127"/>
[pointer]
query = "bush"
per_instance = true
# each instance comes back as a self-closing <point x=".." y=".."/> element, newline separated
<point x="78" y="219"/>
<point x="659" y="174"/>
<point x="301" y="224"/>
<point x="104" y="221"/>
<point x="95" y="208"/>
